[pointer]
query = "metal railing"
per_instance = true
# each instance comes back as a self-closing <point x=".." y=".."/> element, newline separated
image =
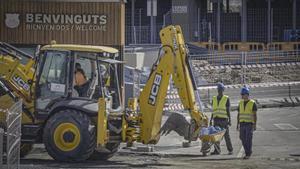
<point x="246" y="67"/>
<point x="133" y="78"/>
<point x="266" y="95"/>
<point x="12" y="136"/>
<point x="275" y="71"/>
<point x="142" y="34"/>
<point x="289" y="90"/>
<point x="244" y="58"/>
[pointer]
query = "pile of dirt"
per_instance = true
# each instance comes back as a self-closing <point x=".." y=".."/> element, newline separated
<point x="250" y="75"/>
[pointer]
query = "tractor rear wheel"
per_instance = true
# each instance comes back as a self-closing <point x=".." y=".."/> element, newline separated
<point x="69" y="136"/>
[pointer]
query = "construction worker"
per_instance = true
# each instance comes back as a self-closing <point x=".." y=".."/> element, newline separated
<point x="81" y="82"/>
<point x="221" y="117"/>
<point x="246" y="121"/>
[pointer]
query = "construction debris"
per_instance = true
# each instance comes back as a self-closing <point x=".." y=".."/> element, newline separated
<point x="250" y="74"/>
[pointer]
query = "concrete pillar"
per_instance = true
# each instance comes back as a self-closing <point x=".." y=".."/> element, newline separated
<point x="153" y="6"/>
<point x="152" y="29"/>
<point x="198" y="23"/>
<point x="180" y="16"/>
<point x="269" y="22"/>
<point x="132" y="21"/>
<point x="184" y="13"/>
<point x="294" y="14"/>
<point x="244" y="21"/>
<point x="219" y="22"/>
<point x="227" y="6"/>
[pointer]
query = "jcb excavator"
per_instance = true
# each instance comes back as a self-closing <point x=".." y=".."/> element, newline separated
<point x="76" y="122"/>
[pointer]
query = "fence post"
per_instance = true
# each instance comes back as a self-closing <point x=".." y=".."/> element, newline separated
<point x="140" y="25"/>
<point x="290" y="95"/>
<point x="243" y="64"/>
<point x="245" y="57"/>
<point x="208" y="95"/>
<point x="1" y="147"/>
<point x="134" y="35"/>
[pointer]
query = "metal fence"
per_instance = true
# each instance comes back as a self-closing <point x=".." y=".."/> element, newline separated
<point x="141" y="34"/>
<point x="274" y="72"/>
<point x="265" y="94"/>
<point x="269" y="74"/>
<point x="247" y="67"/>
<point x="12" y="136"/>
<point x="244" y="58"/>
<point x="132" y="78"/>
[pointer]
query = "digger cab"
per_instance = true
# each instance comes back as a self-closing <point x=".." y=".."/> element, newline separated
<point x="76" y="76"/>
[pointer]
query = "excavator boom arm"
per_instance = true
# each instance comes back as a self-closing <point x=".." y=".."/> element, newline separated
<point x="152" y="98"/>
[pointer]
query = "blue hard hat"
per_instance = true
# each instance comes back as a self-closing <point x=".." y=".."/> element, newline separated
<point x="220" y="86"/>
<point x="245" y="90"/>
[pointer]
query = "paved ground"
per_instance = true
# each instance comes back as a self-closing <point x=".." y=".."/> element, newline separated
<point x="276" y="145"/>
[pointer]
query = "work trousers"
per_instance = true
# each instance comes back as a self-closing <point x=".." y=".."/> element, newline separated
<point x="223" y="123"/>
<point x="246" y="134"/>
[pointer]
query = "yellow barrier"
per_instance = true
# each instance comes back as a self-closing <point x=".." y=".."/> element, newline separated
<point x="209" y="45"/>
<point x="249" y="46"/>
<point x="243" y="46"/>
<point x="284" y="46"/>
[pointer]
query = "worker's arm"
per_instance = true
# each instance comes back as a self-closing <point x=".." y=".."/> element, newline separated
<point x="255" y="119"/>
<point x="254" y="115"/>
<point x="211" y="118"/>
<point x="228" y="111"/>
<point x="238" y="122"/>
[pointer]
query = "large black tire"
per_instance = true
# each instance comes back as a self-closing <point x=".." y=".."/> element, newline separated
<point x="83" y="136"/>
<point x="113" y="149"/>
<point x="25" y="149"/>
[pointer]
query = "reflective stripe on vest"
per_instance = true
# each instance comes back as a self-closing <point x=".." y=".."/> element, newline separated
<point x="246" y="114"/>
<point x="220" y="110"/>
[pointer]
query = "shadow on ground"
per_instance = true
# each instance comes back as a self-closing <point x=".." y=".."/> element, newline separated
<point x="124" y="163"/>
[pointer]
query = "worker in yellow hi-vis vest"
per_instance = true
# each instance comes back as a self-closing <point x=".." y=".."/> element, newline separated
<point x="246" y="121"/>
<point x="221" y="117"/>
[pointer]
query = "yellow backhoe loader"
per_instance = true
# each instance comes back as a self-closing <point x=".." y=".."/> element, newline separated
<point x="87" y="120"/>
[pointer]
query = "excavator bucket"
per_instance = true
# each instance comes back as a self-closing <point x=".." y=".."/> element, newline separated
<point x="179" y="123"/>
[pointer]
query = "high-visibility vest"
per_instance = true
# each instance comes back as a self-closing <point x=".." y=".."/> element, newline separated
<point x="219" y="110"/>
<point x="246" y="113"/>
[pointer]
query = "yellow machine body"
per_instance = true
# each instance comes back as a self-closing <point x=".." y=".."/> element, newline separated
<point x="108" y="126"/>
<point x="172" y="63"/>
<point x="17" y="76"/>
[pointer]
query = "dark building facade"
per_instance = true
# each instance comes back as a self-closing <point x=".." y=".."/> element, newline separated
<point x="216" y="20"/>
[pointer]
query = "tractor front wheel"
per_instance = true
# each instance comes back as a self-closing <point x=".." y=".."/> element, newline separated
<point x="69" y="136"/>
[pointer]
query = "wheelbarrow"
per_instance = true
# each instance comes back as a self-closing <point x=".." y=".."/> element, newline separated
<point x="209" y="140"/>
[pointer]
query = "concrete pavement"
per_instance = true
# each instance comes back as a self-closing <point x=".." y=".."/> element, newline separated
<point x="276" y="143"/>
<point x="277" y="136"/>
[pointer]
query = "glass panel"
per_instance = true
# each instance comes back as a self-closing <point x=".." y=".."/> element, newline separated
<point x="84" y="61"/>
<point x="85" y="74"/>
<point x="52" y="82"/>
